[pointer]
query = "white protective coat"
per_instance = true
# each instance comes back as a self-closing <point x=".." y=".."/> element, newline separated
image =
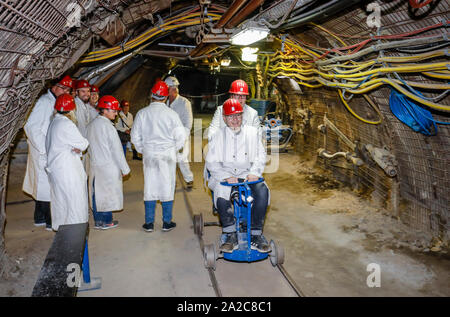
<point x="69" y="198"/>
<point x="233" y="154"/>
<point x="182" y="106"/>
<point x="158" y="134"/>
<point x="36" y="181"/>
<point x="124" y="122"/>
<point x="107" y="164"/>
<point x="83" y="115"/>
<point x="250" y="117"/>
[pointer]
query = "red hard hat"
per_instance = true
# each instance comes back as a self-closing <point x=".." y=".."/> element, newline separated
<point x="94" y="88"/>
<point x="239" y="87"/>
<point x="160" y="89"/>
<point x="108" y="102"/>
<point x="65" y="102"/>
<point x="66" y="81"/>
<point x="232" y="106"/>
<point x="124" y="103"/>
<point x="82" y="84"/>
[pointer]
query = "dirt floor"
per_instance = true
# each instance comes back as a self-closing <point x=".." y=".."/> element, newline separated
<point x="330" y="236"/>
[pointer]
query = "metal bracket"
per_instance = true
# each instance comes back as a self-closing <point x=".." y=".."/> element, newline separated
<point x="346" y="140"/>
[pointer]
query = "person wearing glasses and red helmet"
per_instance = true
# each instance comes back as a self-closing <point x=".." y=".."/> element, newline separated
<point x="35" y="182"/>
<point x="67" y="178"/>
<point x="236" y="153"/>
<point x="158" y="134"/>
<point x="239" y="91"/>
<point x="107" y="165"/>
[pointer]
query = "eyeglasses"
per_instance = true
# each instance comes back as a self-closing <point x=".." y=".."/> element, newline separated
<point x="239" y="96"/>
<point x="234" y="116"/>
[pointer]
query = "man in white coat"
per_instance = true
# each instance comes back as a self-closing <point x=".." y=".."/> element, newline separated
<point x="183" y="108"/>
<point x="93" y="102"/>
<point x="64" y="144"/>
<point x="83" y="91"/>
<point x="236" y="153"/>
<point x="107" y="164"/>
<point x="158" y="134"/>
<point x="239" y="91"/>
<point x="35" y="182"/>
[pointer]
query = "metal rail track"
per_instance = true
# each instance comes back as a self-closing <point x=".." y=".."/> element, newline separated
<point x="211" y="273"/>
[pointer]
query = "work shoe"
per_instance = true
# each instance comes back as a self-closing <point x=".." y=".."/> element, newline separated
<point x="111" y="225"/>
<point x="230" y="242"/>
<point x="137" y="158"/>
<point x="260" y="244"/>
<point x="98" y="225"/>
<point x="148" y="226"/>
<point x="190" y="184"/>
<point x="167" y="226"/>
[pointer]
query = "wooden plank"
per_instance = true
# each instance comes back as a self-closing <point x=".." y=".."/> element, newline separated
<point x="67" y="247"/>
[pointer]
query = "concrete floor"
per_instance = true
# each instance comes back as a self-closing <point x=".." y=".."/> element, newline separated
<point x="329" y="237"/>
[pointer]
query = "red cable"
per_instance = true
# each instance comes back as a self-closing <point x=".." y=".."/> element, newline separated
<point x="417" y="5"/>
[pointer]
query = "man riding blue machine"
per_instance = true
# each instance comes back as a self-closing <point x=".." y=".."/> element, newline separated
<point x="236" y="160"/>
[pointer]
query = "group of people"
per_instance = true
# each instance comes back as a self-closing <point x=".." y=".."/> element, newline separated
<point x="73" y="140"/>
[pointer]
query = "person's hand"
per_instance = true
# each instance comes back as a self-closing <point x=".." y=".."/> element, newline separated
<point x="78" y="151"/>
<point x="232" y="180"/>
<point x="252" y="178"/>
<point x="127" y="131"/>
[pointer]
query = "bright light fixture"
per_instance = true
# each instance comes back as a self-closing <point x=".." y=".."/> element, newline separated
<point x="249" y="34"/>
<point x="225" y="61"/>
<point x="248" y="54"/>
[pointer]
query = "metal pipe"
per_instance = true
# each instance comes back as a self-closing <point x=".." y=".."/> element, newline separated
<point x="241" y="15"/>
<point x="108" y="66"/>
<point x="235" y="7"/>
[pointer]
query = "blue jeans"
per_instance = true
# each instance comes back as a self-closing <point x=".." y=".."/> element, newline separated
<point x="100" y="217"/>
<point x="150" y="206"/>
<point x="124" y="149"/>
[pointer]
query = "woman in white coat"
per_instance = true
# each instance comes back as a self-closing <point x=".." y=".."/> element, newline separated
<point x="158" y="134"/>
<point x="107" y="164"/>
<point x="65" y="144"/>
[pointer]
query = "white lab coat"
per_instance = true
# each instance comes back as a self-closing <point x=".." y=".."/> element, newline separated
<point x="82" y="113"/>
<point x="234" y="155"/>
<point x="93" y="113"/>
<point x="69" y="199"/>
<point x="106" y="165"/>
<point x="124" y="122"/>
<point x="250" y="117"/>
<point x="35" y="181"/>
<point x="158" y="134"/>
<point x="182" y="106"/>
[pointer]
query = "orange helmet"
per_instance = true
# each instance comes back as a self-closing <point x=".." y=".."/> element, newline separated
<point x="232" y="106"/>
<point x="239" y="87"/>
<point x="108" y="102"/>
<point x="66" y="81"/>
<point x="94" y="88"/>
<point x="65" y="102"/>
<point x="160" y="90"/>
<point x="82" y="84"/>
<point x="124" y="103"/>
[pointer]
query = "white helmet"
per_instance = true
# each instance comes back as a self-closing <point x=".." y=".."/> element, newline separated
<point x="172" y="81"/>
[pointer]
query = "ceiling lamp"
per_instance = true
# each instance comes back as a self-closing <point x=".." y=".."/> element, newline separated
<point x="248" y="54"/>
<point x="249" y="34"/>
<point x="225" y="61"/>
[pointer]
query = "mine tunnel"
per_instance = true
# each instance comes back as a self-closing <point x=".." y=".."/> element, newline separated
<point x="353" y="108"/>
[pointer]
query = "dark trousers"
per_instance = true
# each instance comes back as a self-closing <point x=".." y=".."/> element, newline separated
<point x="42" y="212"/>
<point x="260" y="194"/>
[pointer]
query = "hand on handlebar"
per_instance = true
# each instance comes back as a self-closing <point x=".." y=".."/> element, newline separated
<point x="251" y="178"/>
<point x="232" y="180"/>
